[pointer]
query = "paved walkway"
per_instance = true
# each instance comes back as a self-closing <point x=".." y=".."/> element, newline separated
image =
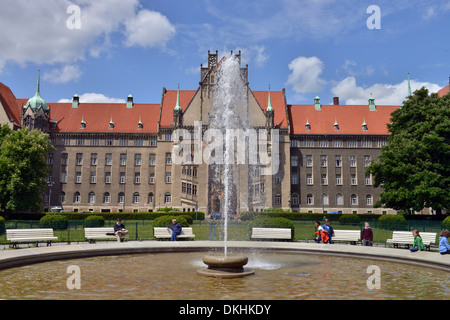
<point x="11" y="258"/>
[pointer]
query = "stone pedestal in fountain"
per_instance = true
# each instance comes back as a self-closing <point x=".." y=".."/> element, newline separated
<point x="230" y="266"/>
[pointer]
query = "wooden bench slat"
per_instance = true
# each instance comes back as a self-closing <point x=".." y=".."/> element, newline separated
<point x="28" y="235"/>
<point x="271" y="233"/>
<point x="163" y="233"/>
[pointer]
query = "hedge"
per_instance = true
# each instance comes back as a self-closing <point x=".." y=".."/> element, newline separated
<point x="268" y="222"/>
<point x="2" y="225"/>
<point x="349" y="219"/>
<point x="446" y="223"/>
<point x="94" y="221"/>
<point x="250" y="215"/>
<point x="166" y="220"/>
<point x="54" y="221"/>
<point x="392" y="221"/>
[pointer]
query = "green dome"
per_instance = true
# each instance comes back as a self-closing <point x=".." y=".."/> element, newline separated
<point x="36" y="101"/>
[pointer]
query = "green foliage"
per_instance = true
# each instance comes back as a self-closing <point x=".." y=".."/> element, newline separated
<point x="414" y="167"/>
<point x="54" y="221"/>
<point x="2" y="225"/>
<point x="164" y="221"/>
<point x="124" y="216"/>
<point x="268" y="222"/>
<point x="23" y="168"/>
<point x="94" y="221"/>
<point x="188" y="218"/>
<point x="168" y="209"/>
<point x="392" y="222"/>
<point x="349" y="219"/>
<point x="446" y="223"/>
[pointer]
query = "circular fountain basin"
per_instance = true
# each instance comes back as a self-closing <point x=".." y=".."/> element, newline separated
<point x="227" y="267"/>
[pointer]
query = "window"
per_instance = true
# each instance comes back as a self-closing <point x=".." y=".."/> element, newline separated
<point x="324" y="199"/>
<point x="137" y="159"/>
<point x="323" y="179"/>
<point x="95" y="141"/>
<point x="369" y="200"/>
<point x="168" y="177"/>
<point x="183" y="187"/>
<point x="188" y="188"/>
<point x="338" y="143"/>
<point x="66" y="141"/>
<point x="323" y="143"/>
<point x="352" y="161"/>
<point x="93" y="178"/>
<point x="338" y="179"/>
<point x="167" y="197"/>
<point x="339" y="199"/>
<point x="278" y="178"/>
<point x="151" y="178"/>
<point x="194" y="189"/>
<point x="64" y="157"/>
<point x="309" y="143"/>
<point x="77" y="177"/>
<point x="109" y="142"/>
<point x="91" y="197"/>
<point x="50" y="158"/>
<point x="63" y="176"/>
<point x="309" y="199"/>
<point x="108" y="159"/>
<point x="150" y="197"/>
<point x="295" y="199"/>
<point x="94" y="158"/>
<point x="295" y="143"/>
<point x="309" y="179"/>
<point x="153" y="141"/>
<point x="366" y="161"/>
<point x="354" y="200"/>
<point x="79" y="159"/>
<point x="62" y="197"/>
<point x="123" y="142"/>
<point x="76" y="197"/>
<point x="138" y="142"/>
<point x="122" y="178"/>
<point x="168" y="158"/>
<point x="152" y="159"/>
<point x="323" y="161"/>
<point x="80" y="141"/>
<point x="168" y="137"/>
<point x="137" y="178"/>
<point x="123" y="159"/>
<point x="107" y="177"/>
<point x="136" y="197"/>
<point x="294" y="178"/>
<point x="294" y="161"/>
<point x="106" y="197"/>
<point x="262" y="187"/>
<point x="338" y="161"/>
<point x="368" y="179"/>
<point x="353" y="179"/>
<point x="309" y="161"/>
<point x="121" y="197"/>
<point x="381" y="142"/>
<point x="366" y="143"/>
<point x="352" y="143"/>
<point x="278" y="199"/>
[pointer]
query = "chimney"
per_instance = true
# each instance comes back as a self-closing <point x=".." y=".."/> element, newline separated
<point x="336" y="101"/>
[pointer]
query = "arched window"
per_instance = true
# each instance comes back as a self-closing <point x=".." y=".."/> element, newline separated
<point x="354" y="200"/>
<point x="62" y="197"/>
<point x="339" y="199"/>
<point x="121" y="197"/>
<point x="150" y="197"/>
<point x="325" y="199"/>
<point x="106" y="197"/>
<point x="167" y="197"/>
<point x="91" y="197"/>
<point x="76" y="197"/>
<point x="136" y="198"/>
<point x="309" y="199"/>
<point x="369" y="199"/>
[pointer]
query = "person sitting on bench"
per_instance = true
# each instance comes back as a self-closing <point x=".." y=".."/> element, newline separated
<point x="176" y="229"/>
<point x="119" y="230"/>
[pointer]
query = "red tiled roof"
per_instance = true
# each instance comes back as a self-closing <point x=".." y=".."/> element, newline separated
<point x="348" y="117"/>
<point x="98" y="115"/>
<point x="443" y="91"/>
<point x="10" y="104"/>
<point x="169" y="103"/>
<point x="278" y="105"/>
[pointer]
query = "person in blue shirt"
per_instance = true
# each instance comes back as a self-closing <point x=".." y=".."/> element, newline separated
<point x="176" y="229"/>
<point x="329" y="229"/>
<point x="444" y="246"/>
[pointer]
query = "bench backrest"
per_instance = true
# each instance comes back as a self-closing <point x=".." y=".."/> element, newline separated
<point x="161" y="232"/>
<point x="427" y="237"/>
<point x="92" y="232"/>
<point x="354" y="235"/>
<point x="271" y="233"/>
<point x="28" y="233"/>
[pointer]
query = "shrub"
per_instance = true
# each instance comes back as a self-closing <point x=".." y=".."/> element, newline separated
<point x="446" y="223"/>
<point x="349" y="219"/>
<point x="188" y="218"/>
<point x="391" y="222"/>
<point x="2" y="225"/>
<point x="268" y="222"/>
<point x="54" y="221"/>
<point x="94" y="221"/>
<point x="165" y="220"/>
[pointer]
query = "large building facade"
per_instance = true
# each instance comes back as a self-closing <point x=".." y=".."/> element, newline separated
<point x="117" y="157"/>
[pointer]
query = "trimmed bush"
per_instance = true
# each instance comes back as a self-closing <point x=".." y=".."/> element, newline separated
<point x="165" y="220"/>
<point x="94" y="221"/>
<point x="54" y="221"/>
<point x="392" y="222"/>
<point x="446" y="223"/>
<point x="349" y="219"/>
<point x="268" y="222"/>
<point x="188" y="218"/>
<point x="2" y="225"/>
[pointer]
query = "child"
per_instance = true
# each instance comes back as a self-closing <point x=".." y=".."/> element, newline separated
<point x="318" y="232"/>
<point x="367" y="235"/>
<point x="418" y="244"/>
<point x="444" y="246"/>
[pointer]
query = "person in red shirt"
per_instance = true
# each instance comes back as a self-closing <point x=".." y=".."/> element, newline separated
<point x="367" y="235"/>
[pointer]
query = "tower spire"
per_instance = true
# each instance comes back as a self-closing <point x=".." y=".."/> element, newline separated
<point x="38" y="85"/>
<point x="269" y="102"/>
<point x="178" y="107"/>
<point x="409" y="87"/>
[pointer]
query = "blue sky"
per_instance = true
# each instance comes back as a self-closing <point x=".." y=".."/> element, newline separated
<point x="314" y="47"/>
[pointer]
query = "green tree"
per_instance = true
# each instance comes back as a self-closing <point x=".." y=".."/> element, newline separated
<point x="23" y="168"/>
<point x="414" y="167"/>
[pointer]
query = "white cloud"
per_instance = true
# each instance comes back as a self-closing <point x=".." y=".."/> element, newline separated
<point x="385" y="94"/>
<point x="63" y="75"/>
<point x="148" y="29"/>
<point x="95" y="98"/>
<point x="305" y="75"/>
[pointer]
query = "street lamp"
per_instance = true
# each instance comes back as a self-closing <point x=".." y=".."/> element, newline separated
<point x="50" y="185"/>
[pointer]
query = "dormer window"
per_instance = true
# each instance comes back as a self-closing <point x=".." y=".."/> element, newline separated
<point x="336" y="126"/>
<point x="82" y="124"/>
<point x="140" y="125"/>
<point x="307" y="125"/>
<point x="111" y="124"/>
<point x="364" y="126"/>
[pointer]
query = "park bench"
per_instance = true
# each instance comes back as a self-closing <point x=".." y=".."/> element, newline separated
<point x="271" y="233"/>
<point x="30" y="235"/>
<point x="406" y="238"/>
<point x="164" y="233"/>
<point x="351" y="236"/>
<point x="92" y="234"/>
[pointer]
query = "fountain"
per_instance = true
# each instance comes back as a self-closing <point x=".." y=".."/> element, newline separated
<point x="230" y="116"/>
